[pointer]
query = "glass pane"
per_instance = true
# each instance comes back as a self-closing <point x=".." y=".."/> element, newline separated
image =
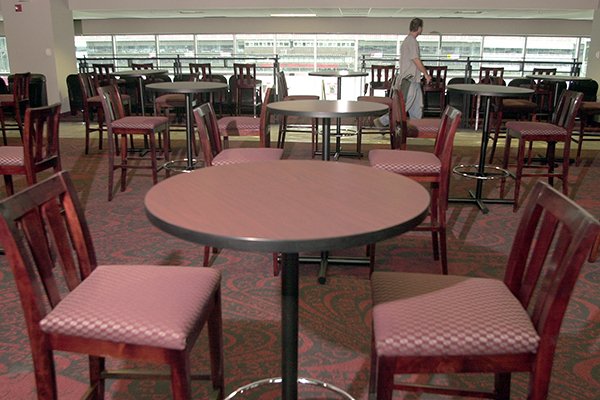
<point x="584" y="51"/>
<point x="172" y="46"/>
<point x="430" y="46"/>
<point x="215" y="46"/>
<point x="381" y="49"/>
<point x="138" y="48"/>
<point x="296" y="52"/>
<point x="4" y="66"/>
<point x="504" y="49"/>
<point x="94" y="46"/>
<point x="552" y="49"/>
<point x="455" y="48"/>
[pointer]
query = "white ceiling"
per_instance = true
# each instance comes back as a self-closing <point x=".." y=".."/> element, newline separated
<point x="578" y="14"/>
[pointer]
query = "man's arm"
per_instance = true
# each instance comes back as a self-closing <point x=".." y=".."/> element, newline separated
<point x="422" y="68"/>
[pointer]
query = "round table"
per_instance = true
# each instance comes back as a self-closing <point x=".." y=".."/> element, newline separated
<point x="339" y="74"/>
<point x="287" y="209"/>
<point x="557" y="78"/>
<point x="140" y="74"/>
<point x="486" y="91"/>
<point x="326" y="110"/>
<point x="188" y="88"/>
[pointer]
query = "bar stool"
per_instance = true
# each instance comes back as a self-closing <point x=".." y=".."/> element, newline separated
<point x="244" y="79"/>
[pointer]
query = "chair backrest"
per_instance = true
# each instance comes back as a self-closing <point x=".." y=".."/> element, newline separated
<point x="589" y="88"/>
<point x="438" y="77"/>
<point x="282" y="87"/>
<point x="102" y="73"/>
<point x="48" y="245"/>
<point x="112" y="105"/>
<point x="208" y="132"/>
<point x="202" y="70"/>
<point x="87" y="85"/>
<point x="244" y="72"/>
<point x="567" y="109"/>
<point x="491" y="75"/>
<point x="20" y="87"/>
<point x="40" y="138"/>
<point x="443" y="147"/>
<point x="382" y="77"/>
<point x="138" y="66"/>
<point x="544" y="71"/>
<point x="382" y="100"/>
<point x="521" y="82"/>
<point x="553" y="240"/>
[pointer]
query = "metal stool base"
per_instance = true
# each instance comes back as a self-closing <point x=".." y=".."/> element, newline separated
<point x="278" y="380"/>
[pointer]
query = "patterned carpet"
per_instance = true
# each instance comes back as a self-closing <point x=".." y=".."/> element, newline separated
<point x="334" y="318"/>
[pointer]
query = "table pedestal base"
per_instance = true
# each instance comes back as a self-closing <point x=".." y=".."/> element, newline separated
<point x="325" y="260"/>
<point x="181" y="165"/>
<point x="278" y="380"/>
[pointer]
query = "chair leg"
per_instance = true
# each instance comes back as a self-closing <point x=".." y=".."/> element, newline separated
<point x="123" y="162"/>
<point x="371" y="254"/>
<point x="276" y="267"/>
<point x="206" y="259"/>
<point x="96" y="380"/>
<point x="111" y="165"/>
<point x="566" y="166"/>
<point x="505" y="161"/>
<point x="497" y="127"/>
<point x="153" y="162"/>
<point x="45" y="373"/>
<point x="385" y="379"/>
<point x="435" y="198"/>
<point x="8" y="185"/>
<point x="519" y="173"/>
<point x="502" y="386"/>
<point x="180" y="377"/>
<point x="215" y="340"/>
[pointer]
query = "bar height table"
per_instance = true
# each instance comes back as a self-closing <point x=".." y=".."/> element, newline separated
<point x="326" y="110"/>
<point x="480" y="174"/>
<point x="188" y="88"/>
<point x="555" y="79"/>
<point x="140" y="75"/>
<point x="288" y="210"/>
<point x="339" y="74"/>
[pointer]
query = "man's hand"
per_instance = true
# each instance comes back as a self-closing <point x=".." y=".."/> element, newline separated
<point x="428" y="79"/>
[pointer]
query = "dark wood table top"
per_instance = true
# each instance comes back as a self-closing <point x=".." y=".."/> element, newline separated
<point x="327" y="108"/>
<point x="559" y="78"/>
<point x="187" y="87"/>
<point x="490" y="90"/>
<point x="140" y="72"/>
<point x="287" y="206"/>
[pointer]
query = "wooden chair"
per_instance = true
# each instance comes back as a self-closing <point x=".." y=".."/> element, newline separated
<point x="557" y="131"/>
<point x="366" y="125"/>
<point x="70" y="303"/>
<point x="102" y="73"/>
<point x="15" y="102"/>
<point x="91" y="105"/>
<point x="435" y="324"/>
<point x="214" y="154"/>
<point x="241" y="125"/>
<point x="423" y="128"/>
<point x="119" y="126"/>
<point x="590" y="108"/>
<point x="141" y="66"/>
<point x="544" y="90"/>
<point x="245" y="80"/>
<point x="487" y="76"/>
<point x="433" y="168"/>
<point x="202" y="70"/>
<point x="518" y="108"/>
<point x="437" y="86"/>
<point x="295" y="124"/>
<point x="382" y="77"/>
<point x="40" y="149"/>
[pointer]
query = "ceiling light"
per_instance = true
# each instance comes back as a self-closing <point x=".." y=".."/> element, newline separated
<point x="468" y="12"/>
<point x="293" y="15"/>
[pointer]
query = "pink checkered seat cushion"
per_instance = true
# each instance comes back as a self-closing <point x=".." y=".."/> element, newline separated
<point x="7" y="98"/>
<point x="444" y="315"/>
<point x="531" y="130"/>
<point x="405" y="162"/>
<point x="171" y="100"/>
<point x="239" y="126"/>
<point x="243" y="155"/>
<point x="136" y="304"/>
<point x="139" y="122"/>
<point x="11" y="156"/>
<point x="423" y="128"/>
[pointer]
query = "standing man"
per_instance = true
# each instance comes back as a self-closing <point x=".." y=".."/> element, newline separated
<point x="409" y="82"/>
<point x="411" y="68"/>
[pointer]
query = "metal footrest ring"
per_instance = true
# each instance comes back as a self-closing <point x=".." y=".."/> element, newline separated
<point x="278" y="380"/>
<point x="472" y="171"/>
